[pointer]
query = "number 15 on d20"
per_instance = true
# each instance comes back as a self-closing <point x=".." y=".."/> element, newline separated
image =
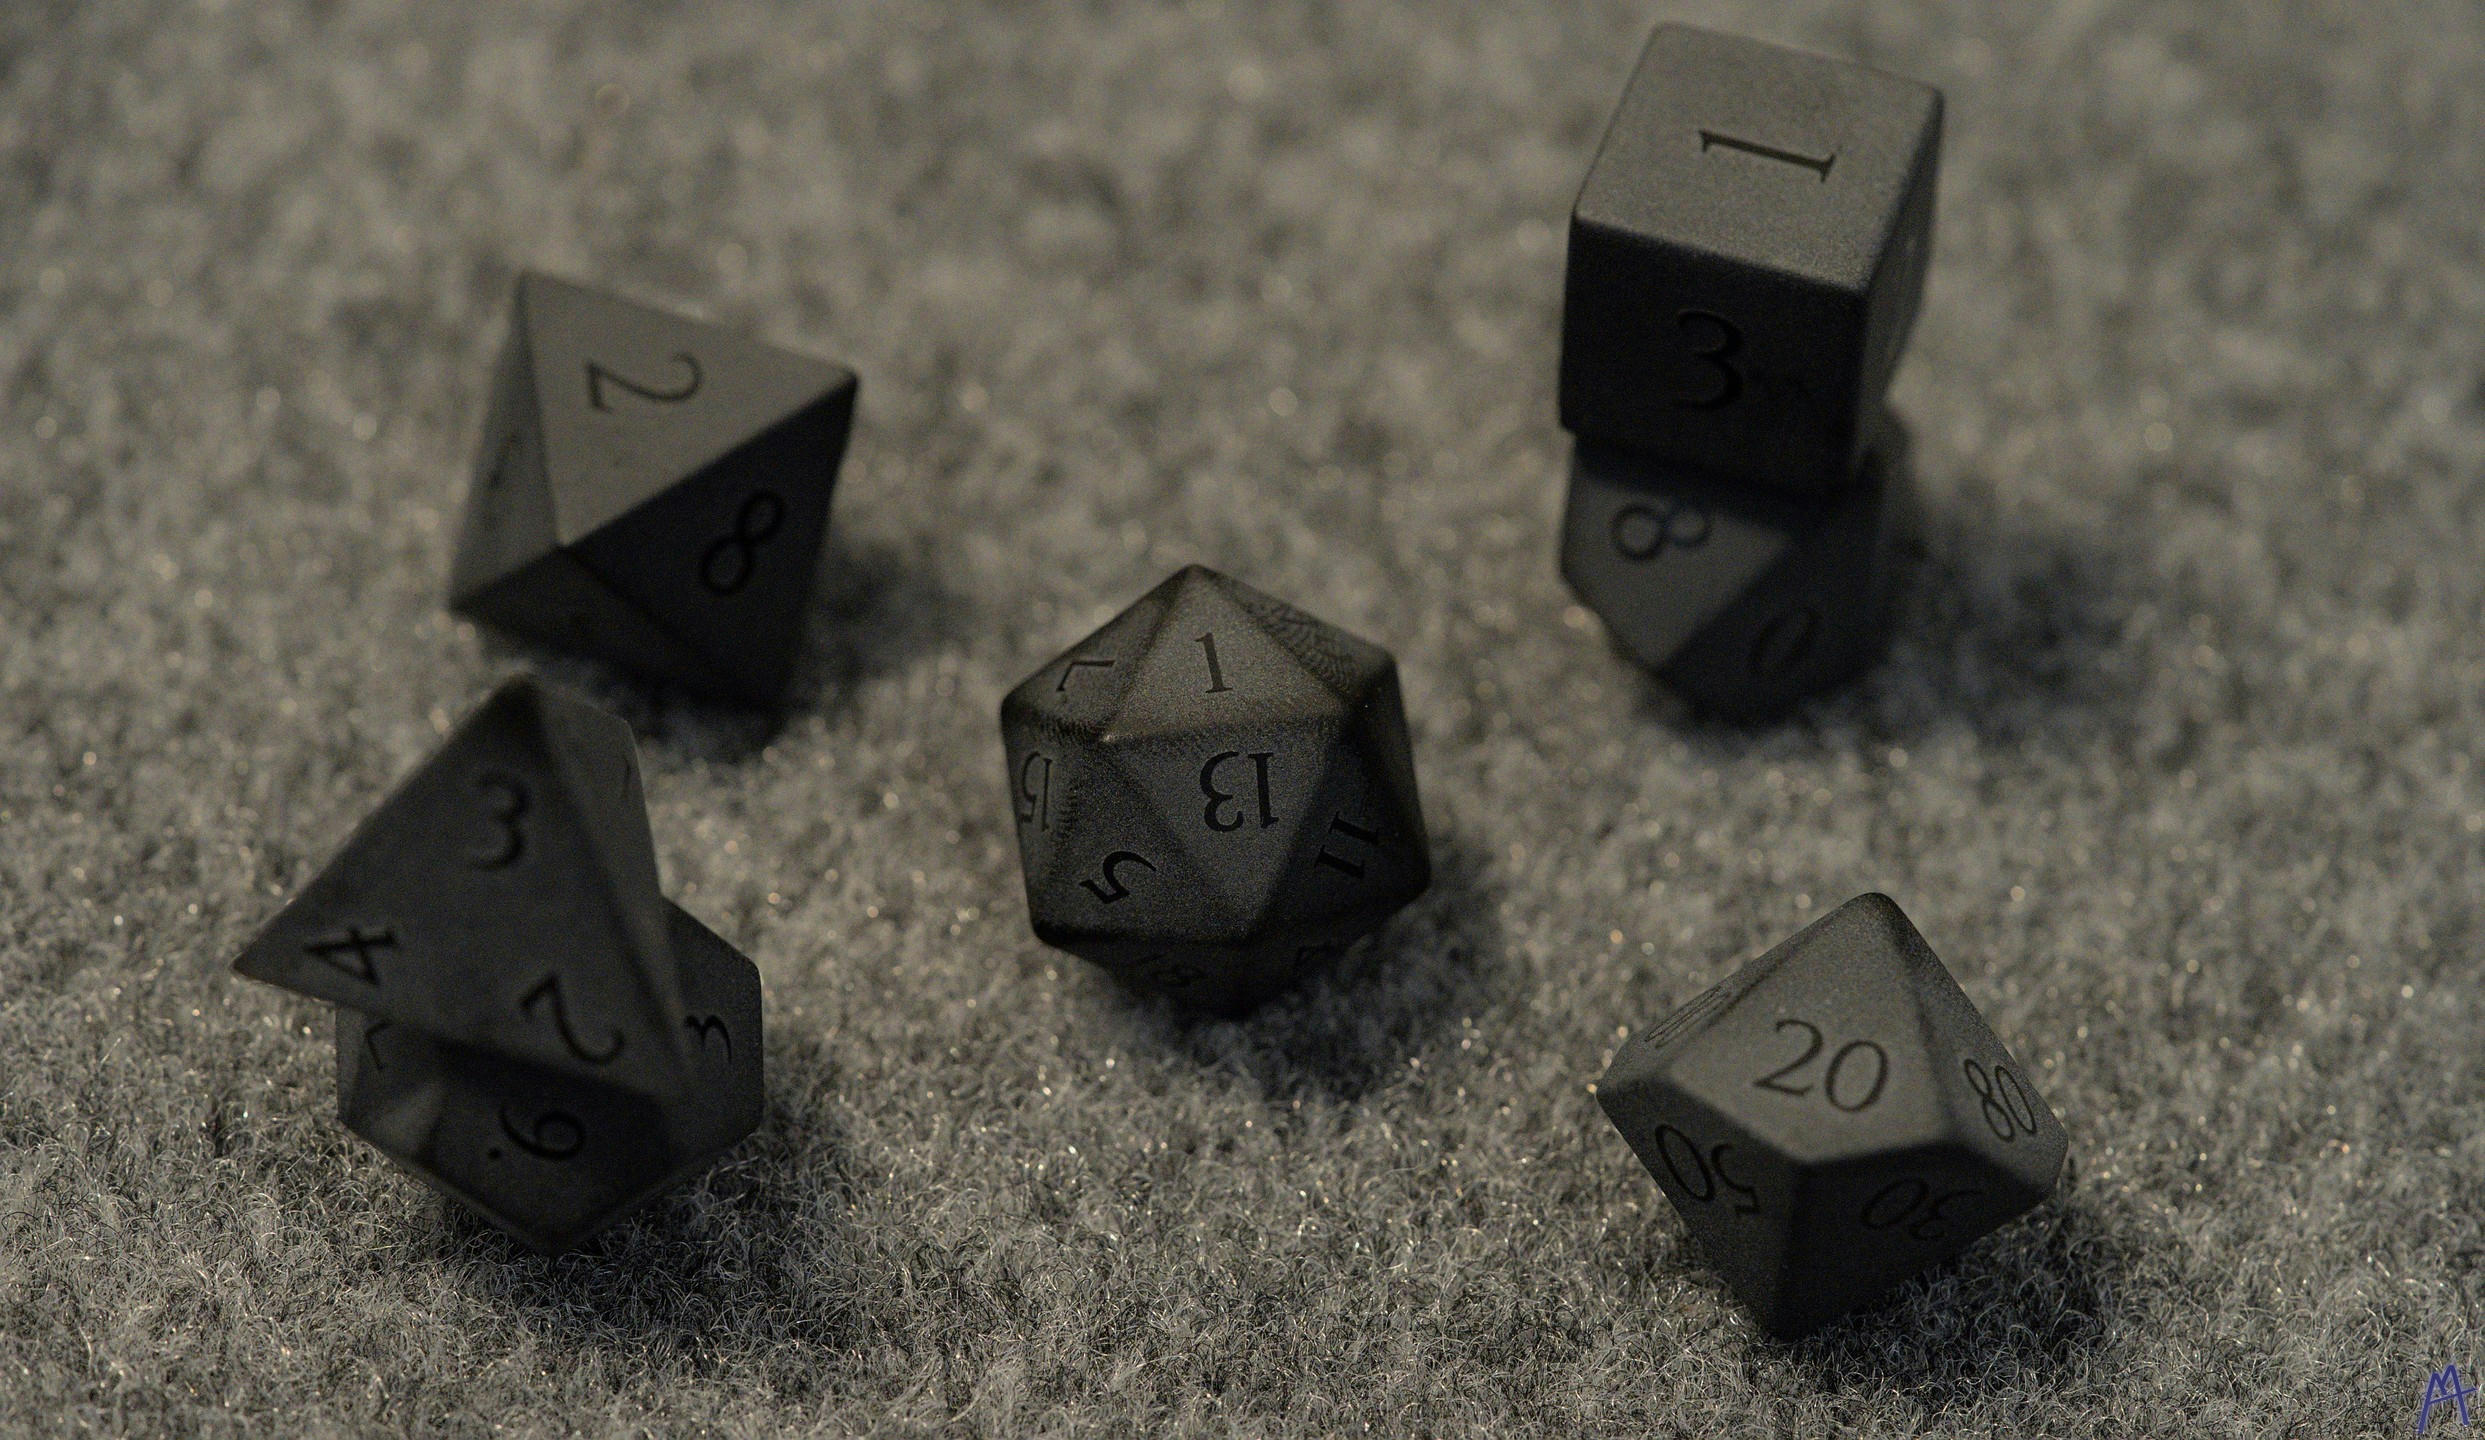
<point x="652" y="491"/>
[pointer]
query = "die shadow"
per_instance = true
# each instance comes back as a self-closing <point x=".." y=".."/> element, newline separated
<point x="753" y="1258"/>
<point x="873" y="609"/>
<point x="2007" y="627"/>
<point x="1339" y="1035"/>
<point x="2032" y="1301"/>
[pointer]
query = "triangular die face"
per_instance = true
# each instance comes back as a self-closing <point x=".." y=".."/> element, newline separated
<point x="726" y="1091"/>
<point x="634" y="400"/>
<point x="1823" y="1056"/>
<point x="1995" y="1108"/>
<point x="556" y="602"/>
<point x="474" y="906"/>
<point x="1213" y="664"/>
<point x="1347" y="664"/>
<point x="1055" y="778"/>
<point x="1657" y="554"/>
<point x="1814" y="619"/>
<point x="598" y="764"/>
<point x="1120" y="876"/>
<point x="508" y="516"/>
<point x="1736" y="1195"/>
<point x="549" y="1158"/>
<point x="1360" y="852"/>
<point x="725" y="560"/>
<point x="1867" y="1224"/>
<point x="1079" y="690"/>
<point x="1236" y="798"/>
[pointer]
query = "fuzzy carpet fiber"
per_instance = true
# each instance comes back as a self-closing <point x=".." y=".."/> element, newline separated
<point x="2173" y="760"/>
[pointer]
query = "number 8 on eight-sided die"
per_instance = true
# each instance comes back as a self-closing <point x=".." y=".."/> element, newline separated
<point x="522" y="1020"/>
<point x="1214" y="793"/>
<point x="1833" y="1117"/>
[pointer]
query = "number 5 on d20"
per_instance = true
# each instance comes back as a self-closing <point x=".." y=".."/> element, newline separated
<point x="1834" y="1117"/>
<point x="652" y="491"/>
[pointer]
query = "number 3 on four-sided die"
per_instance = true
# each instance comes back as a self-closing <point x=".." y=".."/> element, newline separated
<point x="1833" y="1117"/>
<point x="522" y="1020"/>
<point x="652" y="491"/>
<point x="1214" y="793"/>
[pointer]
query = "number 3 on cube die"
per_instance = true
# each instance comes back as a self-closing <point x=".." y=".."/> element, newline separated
<point x="1746" y="259"/>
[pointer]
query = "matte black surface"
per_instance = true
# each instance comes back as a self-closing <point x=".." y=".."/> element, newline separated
<point x="1747" y="256"/>
<point x="651" y="490"/>
<point x="1214" y="793"/>
<point x="1742" y="602"/>
<point x="1834" y="1117"/>
<point x="522" y="1019"/>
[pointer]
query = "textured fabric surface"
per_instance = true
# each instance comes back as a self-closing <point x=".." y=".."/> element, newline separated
<point x="2172" y="761"/>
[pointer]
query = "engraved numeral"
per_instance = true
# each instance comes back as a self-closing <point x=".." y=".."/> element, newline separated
<point x="1644" y="532"/>
<point x="555" y="1135"/>
<point x="1900" y="1201"/>
<point x="1707" y="1173"/>
<point x="356" y="944"/>
<point x="1218" y="799"/>
<point x="1035" y="790"/>
<point x="1724" y="343"/>
<point x="1855" y="1076"/>
<point x="1109" y="887"/>
<point x="704" y="1026"/>
<point x="1345" y="865"/>
<point x="1216" y="676"/>
<point x="1711" y="140"/>
<point x="1785" y="641"/>
<point x="370" y="1042"/>
<point x="731" y="560"/>
<point x="598" y="377"/>
<point x="549" y="989"/>
<point x="1062" y="686"/>
<point x="509" y="804"/>
<point x="2008" y="1108"/>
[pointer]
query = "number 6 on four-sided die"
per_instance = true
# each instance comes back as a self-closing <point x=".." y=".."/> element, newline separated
<point x="522" y="1020"/>
<point x="1833" y="1117"/>
<point x="1214" y="793"/>
<point x="652" y="491"/>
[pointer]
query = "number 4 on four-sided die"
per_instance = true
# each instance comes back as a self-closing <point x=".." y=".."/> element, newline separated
<point x="1833" y="1117"/>
<point x="522" y="1020"/>
<point x="652" y="491"/>
<point x="1214" y="793"/>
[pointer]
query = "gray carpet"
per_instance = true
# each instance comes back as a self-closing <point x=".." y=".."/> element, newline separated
<point x="2172" y="761"/>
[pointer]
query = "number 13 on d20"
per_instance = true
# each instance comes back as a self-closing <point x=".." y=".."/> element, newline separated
<point x="651" y="490"/>
<point x="1747" y="255"/>
<point x="1833" y="1117"/>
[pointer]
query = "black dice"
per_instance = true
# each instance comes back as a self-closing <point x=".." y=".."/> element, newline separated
<point x="1742" y="601"/>
<point x="1834" y="1117"/>
<point x="1214" y="793"/>
<point x="1746" y="259"/>
<point x="522" y="1020"/>
<point x="651" y="491"/>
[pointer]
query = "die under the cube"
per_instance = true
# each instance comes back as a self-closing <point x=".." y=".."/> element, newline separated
<point x="522" y="1019"/>
<point x="1742" y="601"/>
<point x="1834" y="1117"/>
<point x="651" y="491"/>
<point x="1214" y="792"/>
<point x="1747" y="255"/>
